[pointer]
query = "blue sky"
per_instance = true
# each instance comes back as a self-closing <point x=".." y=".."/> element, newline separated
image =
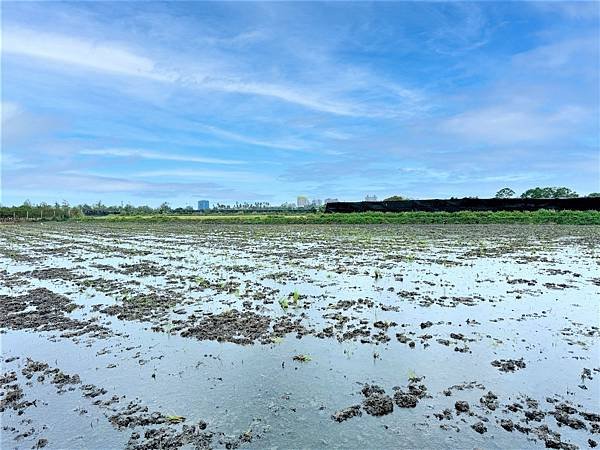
<point x="148" y="102"/>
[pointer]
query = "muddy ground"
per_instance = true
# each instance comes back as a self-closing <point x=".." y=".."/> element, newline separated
<point x="177" y="335"/>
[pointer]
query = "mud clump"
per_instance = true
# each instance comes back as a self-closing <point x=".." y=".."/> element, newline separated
<point x="535" y="415"/>
<point x="563" y="418"/>
<point x="43" y="310"/>
<point x="134" y="415"/>
<point x="243" y="327"/>
<point x="92" y="391"/>
<point x="54" y="273"/>
<point x="32" y="367"/>
<point x="347" y="413"/>
<point x="192" y="436"/>
<point x="405" y="400"/>
<point x="461" y="406"/>
<point x="371" y="389"/>
<point x="8" y="377"/>
<point x="61" y="379"/>
<point x="509" y="365"/>
<point x="143" y="308"/>
<point x="378" y="404"/>
<point x="445" y="414"/>
<point x="507" y="424"/>
<point x="410" y="398"/>
<point x="13" y="393"/>
<point x="552" y="439"/>
<point x="489" y="400"/>
<point x="479" y="427"/>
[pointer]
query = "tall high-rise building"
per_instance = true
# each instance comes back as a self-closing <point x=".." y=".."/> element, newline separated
<point x="203" y="205"/>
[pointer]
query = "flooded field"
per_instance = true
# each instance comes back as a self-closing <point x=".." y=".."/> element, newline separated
<point x="172" y="335"/>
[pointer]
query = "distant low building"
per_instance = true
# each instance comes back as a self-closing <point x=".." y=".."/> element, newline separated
<point x="203" y="205"/>
<point x="331" y="200"/>
<point x="302" y="201"/>
<point x="317" y="202"/>
<point x="371" y="198"/>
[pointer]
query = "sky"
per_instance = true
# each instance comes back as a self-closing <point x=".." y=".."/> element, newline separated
<point x="149" y="102"/>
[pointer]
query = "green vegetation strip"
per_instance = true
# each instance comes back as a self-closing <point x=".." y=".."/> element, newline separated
<point x="526" y="217"/>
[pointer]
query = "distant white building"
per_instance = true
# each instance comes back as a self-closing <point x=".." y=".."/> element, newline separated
<point x="302" y="201"/>
<point x="317" y="202"/>
<point x="371" y="198"/>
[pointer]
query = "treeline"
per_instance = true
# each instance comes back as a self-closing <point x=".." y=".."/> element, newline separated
<point x="63" y="211"/>
<point x="40" y="211"/>
<point x="536" y="192"/>
<point x="543" y="192"/>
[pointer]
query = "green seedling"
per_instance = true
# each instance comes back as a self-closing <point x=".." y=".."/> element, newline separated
<point x="412" y="375"/>
<point x="295" y="297"/>
<point x="302" y="358"/>
<point x="283" y="302"/>
<point x="200" y="280"/>
<point x="175" y="419"/>
<point x="377" y="275"/>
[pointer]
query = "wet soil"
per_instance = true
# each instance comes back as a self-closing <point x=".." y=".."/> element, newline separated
<point x="146" y="336"/>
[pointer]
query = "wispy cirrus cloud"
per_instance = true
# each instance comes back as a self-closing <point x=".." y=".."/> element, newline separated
<point x="96" y="184"/>
<point x="156" y="155"/>
<point x="290" y="144"/>
<point x="561" y="54"/>
<point x="511" y="123"/>
<point x="95" y="55"/>
<point x="221" y="175"/>
<point x="118" y="59"/>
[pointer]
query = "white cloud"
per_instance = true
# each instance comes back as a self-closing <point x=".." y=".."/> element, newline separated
<point x="9" y="110"/>
<point x="111" y="57"/>
<point x="560" y="54"/>
<point x="230" y="135"/>
<point x="147" y="154"/>
<point x="19" y="125"/>
<point x="509" y="124"/>
<point x="102" y="56"/>
<point x="300" y="96"/>
<point x="10" y="162"/>
<point x="240" y="176"/>
<point x="577" y="10"/>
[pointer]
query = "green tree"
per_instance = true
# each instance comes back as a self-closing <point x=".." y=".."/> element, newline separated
<point x="394" y="198"/>
<point x="505" y="193"/>
<point x="594" y="194"/>
<point x="550" y="192"/>
<point x="565" y="192"/>
<point x="164" y="208"/>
